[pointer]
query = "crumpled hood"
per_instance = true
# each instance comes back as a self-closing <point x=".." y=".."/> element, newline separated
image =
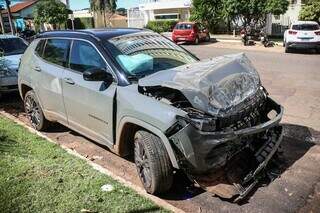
<point x="214" y="85"/>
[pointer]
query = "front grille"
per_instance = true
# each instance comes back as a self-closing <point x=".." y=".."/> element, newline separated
<point x="246" y="116"/>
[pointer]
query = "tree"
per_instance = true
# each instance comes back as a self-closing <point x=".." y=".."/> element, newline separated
<point x="104" y="7"/>
<point x="253" y="11"/>
<point x="310" y="11"/>
<point x="52" y="12"/>
<point x="207" y="12"/>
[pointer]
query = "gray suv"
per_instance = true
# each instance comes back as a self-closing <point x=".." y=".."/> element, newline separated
<point x="140" y="94"/>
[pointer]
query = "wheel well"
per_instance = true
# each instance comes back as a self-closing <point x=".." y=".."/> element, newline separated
<point x="24" y="90"/>
<point x="126" y="142"/>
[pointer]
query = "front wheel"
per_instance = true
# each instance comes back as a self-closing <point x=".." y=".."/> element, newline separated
<point x="34" y="111"/>
<point x="208" y="38"/>
<point x="153" y="164"/>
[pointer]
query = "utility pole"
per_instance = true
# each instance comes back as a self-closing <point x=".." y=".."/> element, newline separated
<point x="8" y="2"/>
<point x="1" y="19"/>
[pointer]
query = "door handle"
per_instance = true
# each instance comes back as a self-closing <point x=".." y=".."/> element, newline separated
<point x="69" y="81"/>
<point x="38" y="69"/>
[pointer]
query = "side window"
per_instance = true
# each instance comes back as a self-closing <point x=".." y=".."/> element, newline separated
<point x="84" y="56"/>
<point x="39" y="48"/>
<point x="56" y="51"/>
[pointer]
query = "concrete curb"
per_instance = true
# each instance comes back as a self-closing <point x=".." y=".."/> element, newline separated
<point x="97" y="167"/>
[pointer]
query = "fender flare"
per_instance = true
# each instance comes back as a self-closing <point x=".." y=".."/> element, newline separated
<point x="152" y="129"/>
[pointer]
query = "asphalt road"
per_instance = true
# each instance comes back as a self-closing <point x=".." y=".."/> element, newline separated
<point x="296" y="189"/>
<point x="291" y="79"/>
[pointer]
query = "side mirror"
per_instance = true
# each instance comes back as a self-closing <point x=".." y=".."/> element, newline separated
<point x="97" y="74"/>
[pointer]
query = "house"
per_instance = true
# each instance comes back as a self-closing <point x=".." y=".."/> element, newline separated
<point x="276" y="25"/>
<point x="150" y="10"/>
<point x="22" y="15"/>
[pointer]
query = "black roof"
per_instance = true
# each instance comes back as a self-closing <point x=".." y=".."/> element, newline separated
<point x="103" y="34"/>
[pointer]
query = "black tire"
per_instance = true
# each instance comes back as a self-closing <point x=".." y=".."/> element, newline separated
<point x="196" y="41"/>
<point x="287" y="49"/>
<point x="34" y="111"/>
<point x="208" y="38"/>
<point x="152" y="162"/>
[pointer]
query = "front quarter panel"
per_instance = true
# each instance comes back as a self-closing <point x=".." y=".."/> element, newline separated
<point x="146" y="112"/>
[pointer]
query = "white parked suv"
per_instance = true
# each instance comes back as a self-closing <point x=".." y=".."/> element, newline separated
<point x="302" y="35"/>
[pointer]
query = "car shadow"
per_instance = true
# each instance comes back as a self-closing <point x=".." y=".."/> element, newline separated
<point x="297" y="141"/>
<point x="304" y="51"/>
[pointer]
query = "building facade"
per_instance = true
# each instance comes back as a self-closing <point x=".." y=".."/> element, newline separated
<point x="151" y="10"/>
<point x="276" y="25"/>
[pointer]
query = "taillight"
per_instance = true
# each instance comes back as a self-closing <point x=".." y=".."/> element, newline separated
<point x="317" y="33"/>
<point x="193" y="33"/>
<point x="292" y="32"/>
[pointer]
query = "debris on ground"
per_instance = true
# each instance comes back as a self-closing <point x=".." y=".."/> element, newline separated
<point x="107" y="188"/>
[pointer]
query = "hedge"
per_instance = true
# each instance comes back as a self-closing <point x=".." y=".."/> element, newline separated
<point x="161" y="26"/>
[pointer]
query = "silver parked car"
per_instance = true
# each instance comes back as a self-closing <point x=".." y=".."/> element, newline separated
<point x="11" y="50"/>
<point x="140" y="94"/>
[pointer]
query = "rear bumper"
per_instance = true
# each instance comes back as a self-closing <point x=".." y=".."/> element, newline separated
<point x="304" y="45"/>
<point x="183" y="38"/>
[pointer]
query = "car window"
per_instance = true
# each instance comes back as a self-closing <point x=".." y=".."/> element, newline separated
<point x="56" y="51"/>
<point x="12" y="46"/>
<point x="84" y="56"/>
<point x="39" y="48"/>
<point x="306" y="27"/>
<point x="142" y="54"/>
<point x="183" y="26"/>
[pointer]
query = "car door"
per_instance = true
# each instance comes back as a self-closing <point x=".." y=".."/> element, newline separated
<point x="89" y="105"/>
<point x="51" y="66"/>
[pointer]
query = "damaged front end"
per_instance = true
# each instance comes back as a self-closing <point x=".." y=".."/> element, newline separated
<point x="231" y="125"/>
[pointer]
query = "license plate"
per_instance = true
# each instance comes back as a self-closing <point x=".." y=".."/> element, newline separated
<point x="182" y="39"/>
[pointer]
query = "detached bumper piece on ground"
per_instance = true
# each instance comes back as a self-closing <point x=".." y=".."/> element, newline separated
<point x="230" y="163"/>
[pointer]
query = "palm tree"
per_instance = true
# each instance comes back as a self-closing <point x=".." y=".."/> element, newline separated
<point x="104" y="7"/>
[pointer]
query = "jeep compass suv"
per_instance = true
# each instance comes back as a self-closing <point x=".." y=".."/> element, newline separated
<point x="140" y="94"/>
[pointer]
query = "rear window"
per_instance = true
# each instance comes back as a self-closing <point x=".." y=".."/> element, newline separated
<point x="56" y="51"/>
<point x="12" y="46"/>
<point x="184" y="26"/>
<point x="306" y="27"/>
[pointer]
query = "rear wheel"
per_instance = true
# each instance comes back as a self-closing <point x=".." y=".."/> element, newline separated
<point x="208" y="38"/>
<point x="196" y="41"/>
<point x="153" y="164"/>
<point x="287" y="49"/>
<point x="34" y="111"/>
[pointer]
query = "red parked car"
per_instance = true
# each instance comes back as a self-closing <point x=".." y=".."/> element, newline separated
<point x="190" y="32"/>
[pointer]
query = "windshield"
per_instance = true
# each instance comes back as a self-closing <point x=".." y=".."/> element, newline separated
<point x="142" y="54"/>
<point x="306" y="27"/>
<point x="12" y="46"/>
<point x="183" y="27"/>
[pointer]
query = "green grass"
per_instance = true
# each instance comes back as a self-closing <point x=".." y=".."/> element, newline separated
<point x="38" y="176"/>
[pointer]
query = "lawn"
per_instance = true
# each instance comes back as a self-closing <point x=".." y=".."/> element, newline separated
<point x="38" y="176"/>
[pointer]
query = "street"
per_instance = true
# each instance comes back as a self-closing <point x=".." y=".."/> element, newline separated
<point x="292" y="80"/>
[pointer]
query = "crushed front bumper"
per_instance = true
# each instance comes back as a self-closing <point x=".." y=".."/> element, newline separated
<point x="204" y="154"/>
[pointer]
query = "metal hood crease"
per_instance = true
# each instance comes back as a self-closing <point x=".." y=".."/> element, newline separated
<point x="214" y="86"/>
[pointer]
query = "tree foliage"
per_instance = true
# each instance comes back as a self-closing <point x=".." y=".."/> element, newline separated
<point x="50" y="11"/>
<point x="207" y="12"/>
<point x="237" y="11"/>
<point x="310" y="11"/>
<point x="104" y="7"/>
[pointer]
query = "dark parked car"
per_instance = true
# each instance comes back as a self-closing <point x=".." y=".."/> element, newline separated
<point x="190" y="32"/>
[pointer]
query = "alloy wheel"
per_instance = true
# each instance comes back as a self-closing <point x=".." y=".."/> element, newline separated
<point x="143" y="165"/>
